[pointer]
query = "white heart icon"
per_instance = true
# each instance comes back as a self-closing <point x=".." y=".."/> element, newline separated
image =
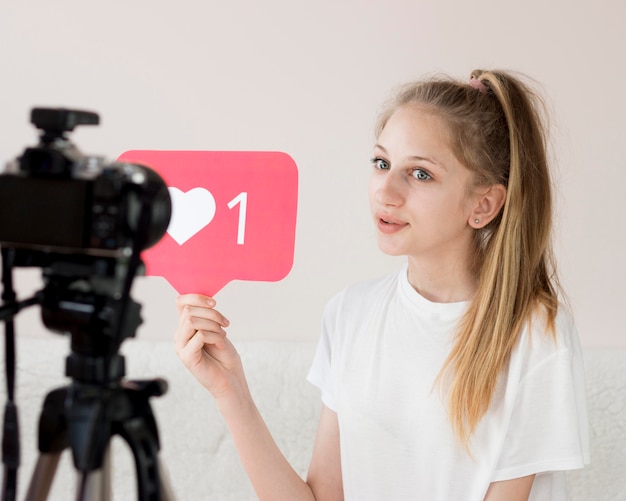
<point x="191" y="211"/>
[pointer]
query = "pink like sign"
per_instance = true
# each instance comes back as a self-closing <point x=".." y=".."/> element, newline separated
<point x="233" y="217"/>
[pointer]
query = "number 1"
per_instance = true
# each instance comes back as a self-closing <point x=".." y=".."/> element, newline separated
<point x="242" y="199"/>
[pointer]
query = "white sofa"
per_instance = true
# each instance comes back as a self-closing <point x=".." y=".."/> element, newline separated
<point x="197" y="451"/>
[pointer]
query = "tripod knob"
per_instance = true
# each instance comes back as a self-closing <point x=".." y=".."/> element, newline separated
<point x="149" y="387"/>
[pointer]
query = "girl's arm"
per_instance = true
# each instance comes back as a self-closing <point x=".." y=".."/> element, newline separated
<point x="517" y="489"/>
<point x="202" y="345"/>
<point x="325" y="469"/>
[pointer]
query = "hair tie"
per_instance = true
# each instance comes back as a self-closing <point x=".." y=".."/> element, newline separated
<point x="478" y="85"/>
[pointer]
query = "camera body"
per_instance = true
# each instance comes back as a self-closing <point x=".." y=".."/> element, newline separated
<point x="55" y="199"/>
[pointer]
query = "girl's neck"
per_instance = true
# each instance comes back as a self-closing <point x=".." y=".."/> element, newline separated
<point x="440" y="281"/>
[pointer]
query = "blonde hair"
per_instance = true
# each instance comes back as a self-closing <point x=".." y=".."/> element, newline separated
<point x="496" y="129"/>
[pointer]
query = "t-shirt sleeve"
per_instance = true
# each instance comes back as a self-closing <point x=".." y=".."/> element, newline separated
<point x="549" y="428"/>
<point x="320" y="373"/>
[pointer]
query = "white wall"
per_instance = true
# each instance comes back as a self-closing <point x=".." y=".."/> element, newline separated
<point x="307" y="78"/>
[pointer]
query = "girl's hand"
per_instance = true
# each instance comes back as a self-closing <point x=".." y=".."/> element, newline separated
<point x="200" y="342"/>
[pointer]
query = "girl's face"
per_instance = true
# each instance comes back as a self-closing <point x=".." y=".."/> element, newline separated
<point x="420" y="195"/>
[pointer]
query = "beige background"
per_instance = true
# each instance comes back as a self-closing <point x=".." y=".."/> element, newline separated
<point x="307" y="78"/>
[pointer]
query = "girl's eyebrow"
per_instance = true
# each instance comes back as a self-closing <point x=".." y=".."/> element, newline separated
<point x="415" y="157"/>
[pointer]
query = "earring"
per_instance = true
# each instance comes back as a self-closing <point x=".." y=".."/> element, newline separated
<point x="476" y="221"/>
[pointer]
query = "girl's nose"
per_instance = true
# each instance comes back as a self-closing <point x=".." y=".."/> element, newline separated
<point x="388" y="189"/>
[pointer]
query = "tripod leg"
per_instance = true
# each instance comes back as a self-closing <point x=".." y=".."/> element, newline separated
<point x="96" y="485"/>
<point x="43" y="475"/>
<point x="167" y="493"/>
<point x="52" y="442"/>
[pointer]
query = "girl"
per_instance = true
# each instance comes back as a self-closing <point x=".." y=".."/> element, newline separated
<point x="460" y="377"/>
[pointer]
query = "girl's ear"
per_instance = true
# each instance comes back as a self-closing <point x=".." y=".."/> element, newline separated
<point x="487" y="206"/>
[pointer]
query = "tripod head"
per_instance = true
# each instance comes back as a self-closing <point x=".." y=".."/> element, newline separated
<point x="85" y="296"/>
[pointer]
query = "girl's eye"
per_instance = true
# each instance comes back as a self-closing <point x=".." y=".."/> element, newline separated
<point x="421" y="175"/>
<point x="380" y="164"/>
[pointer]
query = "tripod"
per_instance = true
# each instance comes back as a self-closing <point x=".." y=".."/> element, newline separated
<point x="82" y="297"/>
<point x="84" y="416"/>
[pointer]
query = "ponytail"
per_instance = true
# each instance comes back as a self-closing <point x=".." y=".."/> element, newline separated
<point x="516" y="274"/>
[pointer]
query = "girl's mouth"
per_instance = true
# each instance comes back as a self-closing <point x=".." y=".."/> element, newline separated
<point x="388" y="224"/>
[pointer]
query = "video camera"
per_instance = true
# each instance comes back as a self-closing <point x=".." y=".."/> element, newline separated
<point x="85" y="222"/>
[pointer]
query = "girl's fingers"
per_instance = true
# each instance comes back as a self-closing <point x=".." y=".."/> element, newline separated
<point x="190" y="326"/>
<point x="190" y="347"/>
<point x="201" y="340"/>
<point x="183" y="339"/>
<point x="194" y="300"/>
<point x="200" y="336"/>
<point x="198" y="316"/>
<point x="194" y="305"/>
<point x="195" y="313"/>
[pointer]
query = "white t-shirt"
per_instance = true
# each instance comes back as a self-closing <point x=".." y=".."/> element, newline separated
<point x="381" y="349"/>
